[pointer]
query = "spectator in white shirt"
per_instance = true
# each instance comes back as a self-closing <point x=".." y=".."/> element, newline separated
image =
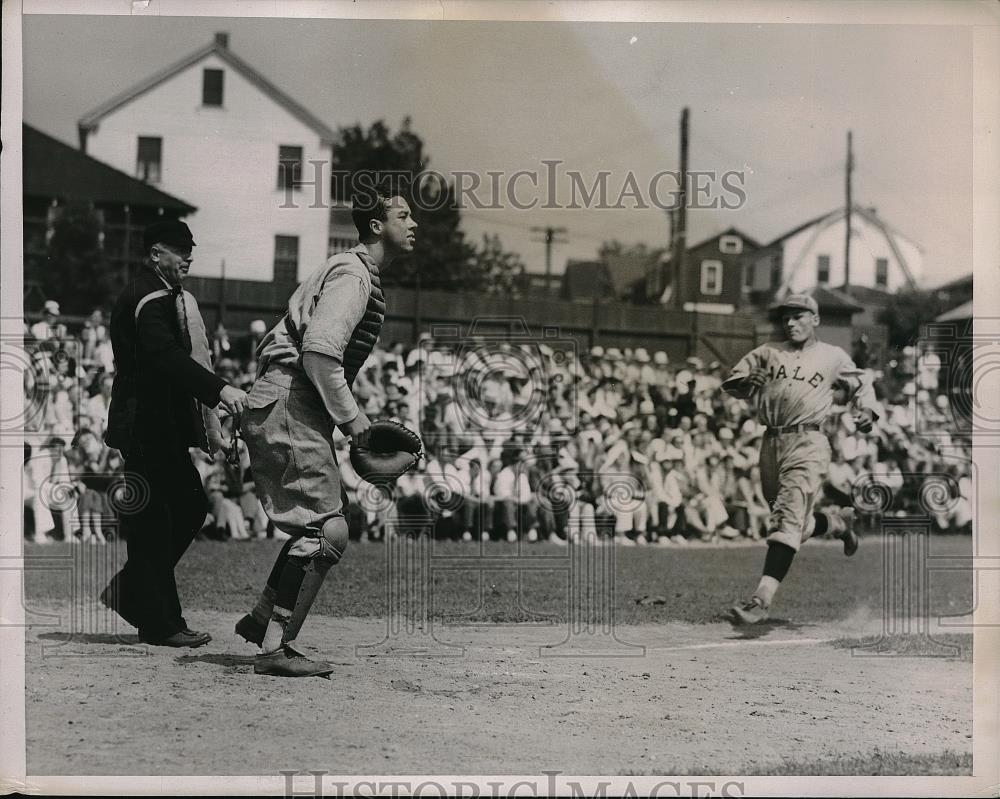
<point x="513" y="498"/>
<point x="50" y="328"/>
<point x="97" y="406"/>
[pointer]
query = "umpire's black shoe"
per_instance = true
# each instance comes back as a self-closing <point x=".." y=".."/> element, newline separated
<point x="287" y="662"/>
<point x="251" y="630"/>
<point x="182" y="638"/>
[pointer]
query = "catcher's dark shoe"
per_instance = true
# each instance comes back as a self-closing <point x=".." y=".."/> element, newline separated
<point x="750" y="612"/>
<point x="288" y="662"/>
<point x="251" y="630"/>
<point x="182" y="638"/>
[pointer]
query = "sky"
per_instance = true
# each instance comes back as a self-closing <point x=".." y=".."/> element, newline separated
<point x="773" y="102"/>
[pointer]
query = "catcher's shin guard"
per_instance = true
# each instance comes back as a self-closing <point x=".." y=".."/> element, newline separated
<point x="333" y="542"/>
<point x="312" y="579"/>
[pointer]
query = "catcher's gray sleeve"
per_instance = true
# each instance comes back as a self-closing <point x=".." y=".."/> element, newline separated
<point x="327" y="374"/>
<point x="340" y="307"/>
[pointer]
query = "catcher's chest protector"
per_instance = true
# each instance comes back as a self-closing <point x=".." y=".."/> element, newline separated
<point x="365" y="335"/>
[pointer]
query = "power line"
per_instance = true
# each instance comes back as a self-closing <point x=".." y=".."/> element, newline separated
<point x="527" y="227"/>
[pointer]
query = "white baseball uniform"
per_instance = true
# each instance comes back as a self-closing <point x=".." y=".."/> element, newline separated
<point x="793" y="403"/>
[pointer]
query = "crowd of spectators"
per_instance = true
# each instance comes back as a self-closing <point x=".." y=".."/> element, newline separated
<point x="522" y="440"/>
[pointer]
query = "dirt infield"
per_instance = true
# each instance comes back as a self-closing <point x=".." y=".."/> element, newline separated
<point x="501" y="699"/>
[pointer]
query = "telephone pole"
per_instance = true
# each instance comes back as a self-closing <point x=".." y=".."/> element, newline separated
<point x="679" y="226"/>
<point x="662" y="280"/>
<point x="847" y="234"/>
<point x="550" y="235"/>
<point x="222" y="294"/>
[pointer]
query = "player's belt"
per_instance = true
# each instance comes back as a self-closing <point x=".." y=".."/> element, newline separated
<point x="793" y="428"/>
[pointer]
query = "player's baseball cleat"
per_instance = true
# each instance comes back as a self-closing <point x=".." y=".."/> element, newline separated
<point x="288" y="662"/>
<point x="251" y="630"/>
<point x="841" y="525"/>
<point x="848" y="536"/>
<point x="750" y="612"/>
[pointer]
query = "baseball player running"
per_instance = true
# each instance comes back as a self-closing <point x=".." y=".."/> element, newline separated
<point x="307" y="366"/>
<point x="791" y="385"/>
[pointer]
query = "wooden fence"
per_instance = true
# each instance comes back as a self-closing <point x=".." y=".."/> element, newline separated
<point x="611" y="324"/>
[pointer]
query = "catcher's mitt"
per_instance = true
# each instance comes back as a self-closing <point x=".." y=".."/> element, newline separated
<point x="384" y="451"/>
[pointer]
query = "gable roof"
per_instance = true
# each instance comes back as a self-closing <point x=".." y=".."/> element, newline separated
<point x="90" y="120"/>
<point x="963" y="283"/>
<point x="867" y="295"/>
<point x="730" y="231"/>
<point x="963" y="311"/>
<point x="832" y="299"/>
<point x="828" y="300"/>
<point x="829" y="216"/>
<point x="869" y="215"/>
<point x="54" y="169"/>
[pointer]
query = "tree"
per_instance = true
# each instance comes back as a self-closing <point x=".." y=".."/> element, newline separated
<point x="379" y="157"/>
<point x="640" y="251"/>
<point x="907" y="311"/>
<point x="641" y="259"/>
<point x="497" y="270"/>
<point x="75" y="273"/>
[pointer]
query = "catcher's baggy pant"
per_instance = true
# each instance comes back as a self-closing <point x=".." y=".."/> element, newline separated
<point x="792" y="469"/>
<point x="289" y="435"/>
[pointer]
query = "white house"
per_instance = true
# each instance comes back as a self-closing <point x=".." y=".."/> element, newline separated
<point x="813" y="255"/>
<point x="213" y="130"/>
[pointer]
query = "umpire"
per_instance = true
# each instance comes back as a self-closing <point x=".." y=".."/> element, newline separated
<point x="154" y="417"/>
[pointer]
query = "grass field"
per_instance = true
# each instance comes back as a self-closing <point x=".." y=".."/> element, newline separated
<point x="697" y="584"/>
<point x="802" y="694"/>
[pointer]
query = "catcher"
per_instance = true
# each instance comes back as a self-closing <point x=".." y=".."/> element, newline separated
<point x="306" y="367"/>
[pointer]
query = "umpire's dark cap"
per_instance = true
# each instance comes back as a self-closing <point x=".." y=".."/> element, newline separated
<point x="171" y="232"/>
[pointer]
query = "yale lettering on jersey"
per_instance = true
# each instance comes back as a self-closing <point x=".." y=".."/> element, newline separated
<point x="781" y="374"/>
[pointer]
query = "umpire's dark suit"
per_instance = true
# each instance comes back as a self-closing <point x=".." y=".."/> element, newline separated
<point x="153" y="419"/>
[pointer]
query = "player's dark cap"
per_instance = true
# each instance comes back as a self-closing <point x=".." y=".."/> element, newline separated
<point x="171" y="232"/>
<point x="801" y="302"/>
